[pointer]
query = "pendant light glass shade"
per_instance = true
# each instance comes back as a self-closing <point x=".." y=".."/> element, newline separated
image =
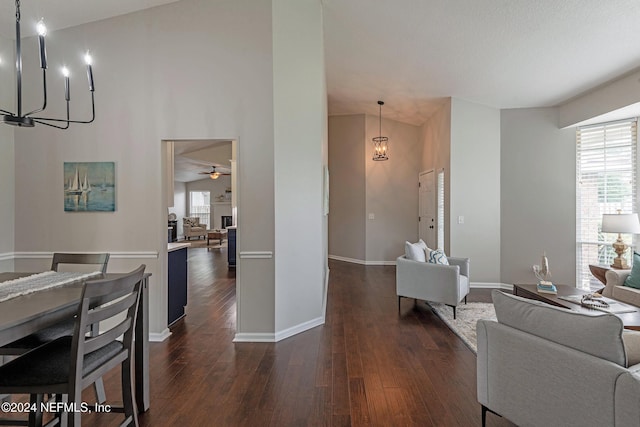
<point x="380" y="143"/>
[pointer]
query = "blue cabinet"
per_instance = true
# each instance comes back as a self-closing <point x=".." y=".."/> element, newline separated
<point x="177" y="298"/>
<point x="231" y="243"/>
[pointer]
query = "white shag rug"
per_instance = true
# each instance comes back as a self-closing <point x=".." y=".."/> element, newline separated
<point x="467" y="315"/>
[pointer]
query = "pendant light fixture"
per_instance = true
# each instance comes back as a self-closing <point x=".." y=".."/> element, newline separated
<point x="29" y="119"/>
<point x="380" y="146"/>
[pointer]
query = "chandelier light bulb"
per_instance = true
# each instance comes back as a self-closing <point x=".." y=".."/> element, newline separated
<point x="41" y="28"/>
<point x="87" y="58"/>
<point x="65" y="71"/>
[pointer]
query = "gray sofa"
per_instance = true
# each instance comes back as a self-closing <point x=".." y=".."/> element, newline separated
<point x="540" y="365"/>
<point x="614" y="287"/>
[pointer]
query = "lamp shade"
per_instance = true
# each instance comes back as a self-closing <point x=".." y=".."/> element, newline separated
<point x="620" y="223"/>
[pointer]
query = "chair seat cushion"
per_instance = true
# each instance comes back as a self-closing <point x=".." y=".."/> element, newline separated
<point x="49" y="364"/>
<point x="42" y="337"/>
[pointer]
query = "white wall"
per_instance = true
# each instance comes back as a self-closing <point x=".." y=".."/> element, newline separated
<point x="475" y="188"/>
<point x="392" y="190"/>
<point x="299" y="104"/>
<point x="7" y="160"/>
<point x="615" y="95"/>
<point x="538" y="179"/>
<point x="149" y="88"/>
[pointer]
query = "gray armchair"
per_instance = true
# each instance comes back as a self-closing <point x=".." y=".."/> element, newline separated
<point x="540" y="365"/>
<point x="447" y="284"/>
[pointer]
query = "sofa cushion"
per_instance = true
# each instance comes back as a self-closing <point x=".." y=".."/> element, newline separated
<point x="437" y="256"/>
<point x="631" y="341"/>
<point x="598" y="335"/>
<point x="626" y="294"/>
<point x="633" y="280"/>
<point x="414" y="251"/>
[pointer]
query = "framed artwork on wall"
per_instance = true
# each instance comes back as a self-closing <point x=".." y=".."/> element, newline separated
<point x="89" y="187"/>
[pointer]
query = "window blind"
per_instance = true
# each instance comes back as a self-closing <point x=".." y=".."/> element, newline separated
<point x="440" y="219"/>
<point x="606" y="183"/>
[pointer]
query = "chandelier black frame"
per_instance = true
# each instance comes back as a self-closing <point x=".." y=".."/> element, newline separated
<point x="29" y="119"/>
<point x="380" y="146"/>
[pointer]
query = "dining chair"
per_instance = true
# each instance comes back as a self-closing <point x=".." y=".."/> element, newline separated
<point x="21" y="346"/>
<point x="69" y="364"/>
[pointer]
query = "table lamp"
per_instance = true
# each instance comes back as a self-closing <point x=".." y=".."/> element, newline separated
<point x="620" y="223"/>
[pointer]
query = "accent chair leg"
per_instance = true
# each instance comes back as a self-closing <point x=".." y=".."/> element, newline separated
<point x="399" y="303"/>
<point x="484" y="416"/>
<point x="454" y="312"/>
<point x="465" y="299"/>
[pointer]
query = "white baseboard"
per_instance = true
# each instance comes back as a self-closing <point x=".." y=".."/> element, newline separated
<point x="487" y="285"/>
<point x="6" y="256"/>
<point x="360" y="261"/>
<point x="254" y="337"/>
<point x="159" y="337"/>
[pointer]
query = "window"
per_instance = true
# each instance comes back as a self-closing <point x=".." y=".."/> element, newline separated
<point x="440" y="214"/>
<point x="606" y="183"/>
<point x="200" y="206"/>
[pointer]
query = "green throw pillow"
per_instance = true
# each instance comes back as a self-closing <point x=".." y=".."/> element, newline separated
<point x="633" y="280"/>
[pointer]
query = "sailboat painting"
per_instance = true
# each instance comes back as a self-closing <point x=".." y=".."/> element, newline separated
<point x="89" y="187"/>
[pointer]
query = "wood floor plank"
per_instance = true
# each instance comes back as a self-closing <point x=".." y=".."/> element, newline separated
<point x="367" y="365"/>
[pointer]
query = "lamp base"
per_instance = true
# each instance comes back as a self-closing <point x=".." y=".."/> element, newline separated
<point x="620" y="264"/>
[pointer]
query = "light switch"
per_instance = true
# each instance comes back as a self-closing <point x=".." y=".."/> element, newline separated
<point x="372" y="216"/>
<point x="461" y="219"/>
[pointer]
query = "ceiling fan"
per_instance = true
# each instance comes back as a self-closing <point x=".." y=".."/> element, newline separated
<point x="213" y="174"/>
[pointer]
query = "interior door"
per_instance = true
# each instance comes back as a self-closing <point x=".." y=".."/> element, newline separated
<point x="427" y="207"/>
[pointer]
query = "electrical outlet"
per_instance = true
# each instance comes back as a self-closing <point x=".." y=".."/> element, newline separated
<point x="461" y="219"/>
<point x="372" y="216"/>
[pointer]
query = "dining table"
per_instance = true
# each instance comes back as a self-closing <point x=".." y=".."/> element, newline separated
<point x="25" y="314"/>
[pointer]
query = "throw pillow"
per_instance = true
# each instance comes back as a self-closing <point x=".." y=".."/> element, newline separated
<point x="633" y="280"/>
<point x="437" y="256"/>
<point x="414" y="251"/>
<point x="425" y="248"/>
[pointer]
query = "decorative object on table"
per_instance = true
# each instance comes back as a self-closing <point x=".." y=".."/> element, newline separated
<point x="89" y="187"/>
<point x="620" y="223"/>
<point x="29" y="119"/>
<point x="547" y="288"/>
<point x="380" y="143"/>
<point x="594" y="301"/>
<point x="542" y="271"/>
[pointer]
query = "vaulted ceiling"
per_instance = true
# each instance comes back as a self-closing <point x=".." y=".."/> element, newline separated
<point x="414" y="53"/>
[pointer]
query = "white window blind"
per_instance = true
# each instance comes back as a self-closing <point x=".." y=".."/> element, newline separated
<point x="606" y="183"/>
<point x="440" y="218"/>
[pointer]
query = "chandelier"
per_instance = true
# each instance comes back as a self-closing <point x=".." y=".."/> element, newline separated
<point x="380" y="146"/>
<point x="30" y="119"/>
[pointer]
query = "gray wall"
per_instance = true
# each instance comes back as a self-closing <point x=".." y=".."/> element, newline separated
<point x="392" y="190"/>
<point x="538" y="195"/>
<point x="435" y="137"/>
<point x="475" y="188"/>
<point x="150" y="88"/>
<point x="359" y="187"/>
<point x="347" y="187"/>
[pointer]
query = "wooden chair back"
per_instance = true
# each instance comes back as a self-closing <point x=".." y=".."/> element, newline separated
<point x="106" y="300"/>
<point x="78" y="258"/>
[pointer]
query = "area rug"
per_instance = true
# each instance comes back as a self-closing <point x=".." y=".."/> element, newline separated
<point x="467" y="315"/>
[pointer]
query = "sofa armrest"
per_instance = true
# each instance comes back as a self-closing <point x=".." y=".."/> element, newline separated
<point x="463" y="263"/>
<point x="614" y="278"/>
<point x="627" y="398"/>
<point x="427" y="281"/>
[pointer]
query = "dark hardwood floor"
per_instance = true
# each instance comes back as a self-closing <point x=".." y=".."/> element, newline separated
<point x="368" y="365"/>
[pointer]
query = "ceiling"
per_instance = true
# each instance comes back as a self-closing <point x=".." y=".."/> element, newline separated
<point x="412" y="54"/>
<point x="194" y="158"/>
